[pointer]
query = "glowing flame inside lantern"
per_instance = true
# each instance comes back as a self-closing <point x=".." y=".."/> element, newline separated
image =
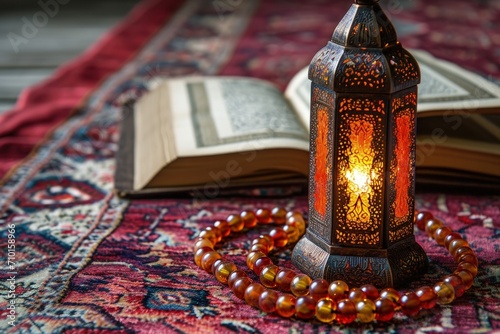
<point x="359" y="178"/>
<point x="359" y="174"/>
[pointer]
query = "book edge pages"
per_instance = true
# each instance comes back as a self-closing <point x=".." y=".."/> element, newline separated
<point x="124" y="170"/>
<point x="296" y="98"/>
<point x="147" y="130"/>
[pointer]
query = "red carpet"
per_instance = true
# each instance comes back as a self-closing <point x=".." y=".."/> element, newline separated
<point x="88" y="262"/>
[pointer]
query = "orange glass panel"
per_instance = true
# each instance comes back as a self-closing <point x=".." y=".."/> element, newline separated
<point x="402" y="153"/>
<point x="322" y="172"/>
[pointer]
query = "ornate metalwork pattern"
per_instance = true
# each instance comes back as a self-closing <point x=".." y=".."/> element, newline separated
<point x="401" y="232"/>
<point x="404" y="100"/>
<point x="388" y="35"/>
<point x="407" y="260"/>
<point x="340" y="35"/>
<point x="360" y="238"/>
<point x="323" y="65"/>
<point x="404" y="67"/>
<point x="358" y="270"/>
<point x="361" y="105"/>
<point x="359" y="71"/>
<point x="310" y="258"/>
<point x="364" y="29"/>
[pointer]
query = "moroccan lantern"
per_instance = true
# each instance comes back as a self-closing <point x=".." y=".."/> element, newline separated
<point x="362" y="156"/>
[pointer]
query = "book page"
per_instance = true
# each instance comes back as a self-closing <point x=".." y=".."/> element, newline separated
<point x="298" y="93"/>
<point x="444" y="87"/>
<point x="225" y="115"/>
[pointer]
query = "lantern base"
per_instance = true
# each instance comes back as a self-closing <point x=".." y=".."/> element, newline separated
<point x="391" y="267"/>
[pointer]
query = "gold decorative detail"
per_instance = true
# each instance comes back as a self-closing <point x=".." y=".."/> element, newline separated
<point x="362" y="105"/>
<point x="400" y="233"/>
<point x="404" y="66"/>
<point x="362" y="70"/>
<point x="358" y="238"/>
<point x="321" y="67"/>
<point x="401" y="102"/>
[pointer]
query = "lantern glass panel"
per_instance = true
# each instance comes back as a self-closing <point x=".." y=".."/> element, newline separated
<point x="360" y="172"/>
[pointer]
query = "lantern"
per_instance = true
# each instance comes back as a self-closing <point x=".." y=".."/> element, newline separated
<point x="362" y="156"/>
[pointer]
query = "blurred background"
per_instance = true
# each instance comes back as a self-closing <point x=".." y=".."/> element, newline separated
<point x="34" y="39"/>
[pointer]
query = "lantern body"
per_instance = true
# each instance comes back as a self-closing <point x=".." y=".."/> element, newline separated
<point x="362" y="156"/>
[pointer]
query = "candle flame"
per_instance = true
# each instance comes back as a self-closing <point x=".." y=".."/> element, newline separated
<point x="360" y="178"/>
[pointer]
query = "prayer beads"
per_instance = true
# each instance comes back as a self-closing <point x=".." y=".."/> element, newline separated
<point x="327" y="302"/>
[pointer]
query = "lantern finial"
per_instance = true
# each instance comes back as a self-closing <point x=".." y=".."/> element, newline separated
<point x="365" y="25"/>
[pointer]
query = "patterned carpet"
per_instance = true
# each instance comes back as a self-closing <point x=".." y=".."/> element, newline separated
<point x="88" y="262"/>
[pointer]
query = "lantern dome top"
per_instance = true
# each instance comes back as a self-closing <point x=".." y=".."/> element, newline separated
<point x="365" y="25"/>
<point x="364" y="55"/>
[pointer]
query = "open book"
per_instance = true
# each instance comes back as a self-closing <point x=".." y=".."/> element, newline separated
<point x="213" y="133"/>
